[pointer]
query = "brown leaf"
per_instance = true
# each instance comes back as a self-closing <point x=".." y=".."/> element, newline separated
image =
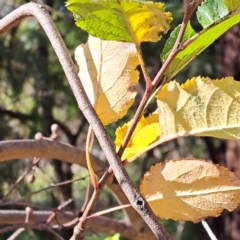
<point x="190" y="189"/>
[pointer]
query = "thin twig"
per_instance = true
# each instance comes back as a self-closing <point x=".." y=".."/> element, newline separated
<point x="89" y="144"/>
<point x="86" y="195"/>
<point x="208" y="230"/>
<point x="146" y="76"/>
<point x="137" y="200"/>
<point x="16" y="149"/>
<point x="56" y="235"/>
<point x="113" y="209"/>
<point x="104" y="224"/>
<point x="189" y="7"/>
<point x="10" y="228"/>
<point x="16" y="233"/>
<point x="51" y="186"/>
<point x="35" y="161"/>
<point x="53" y="215"/>
<point x="22" y="204"/>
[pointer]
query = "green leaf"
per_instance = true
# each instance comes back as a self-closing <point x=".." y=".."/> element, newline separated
<point x="232" y="5"/>
<point x="211" y="11"/>
<point x="125" y="21"/>
<point x="200" y="42"/>
<point x="172" y="39"/>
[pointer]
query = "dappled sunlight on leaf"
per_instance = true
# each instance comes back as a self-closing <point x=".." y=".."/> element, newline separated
<point x="109" y="76"/>
<point x="201" y="107"/>
<point x="126" y="21"/>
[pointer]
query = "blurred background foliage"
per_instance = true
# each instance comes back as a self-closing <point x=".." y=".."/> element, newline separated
<point x="34" y="94"/>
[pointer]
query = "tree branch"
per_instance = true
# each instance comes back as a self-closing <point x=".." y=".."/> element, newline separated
<point x="43" y="148"/>
<point x="101" y="224"/>
<point x="136" y="199"/>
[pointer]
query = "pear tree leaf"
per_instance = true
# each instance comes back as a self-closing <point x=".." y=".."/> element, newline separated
<point x="190" y="189"/>
<point x="125" y="20"/>
<point x="109" y="76"/>
<point x="198" y="43"/>
<point x="200" y="107"/>
<point x="146" y="132"/>
<point x="211" y="11"/>
<point x="189" y="32"/>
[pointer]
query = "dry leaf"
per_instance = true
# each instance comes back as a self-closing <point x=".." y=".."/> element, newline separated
<point x="190" y="189"/>
<point x="109" y="76"/>
<point x="201" y="107"/>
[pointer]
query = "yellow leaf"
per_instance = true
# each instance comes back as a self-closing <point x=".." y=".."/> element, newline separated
<point x="190" y="189"/>
<point x="147" y="21"/>
<point x="121" y="20"/>
<point x="201" y="107"/>
<point x="109" y="76"/>
<point x="116" y="236"/>
<point x="232" y="5"/>
<point x="146" y="132"/>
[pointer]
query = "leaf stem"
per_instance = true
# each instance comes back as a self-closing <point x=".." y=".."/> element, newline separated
<point x="80" y="226"/>
<point x="113" y="209"/>
<point x="147" y="78"/>
<point x="89" y="142"/>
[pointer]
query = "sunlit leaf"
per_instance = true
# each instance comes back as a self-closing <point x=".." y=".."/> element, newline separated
<point x="109" y="76"/>
<point x="146" y="132"/>
<point x="189" y="32"/>
<point x="126" y="21"/>
<point x="200" y="42"/>
<point x="114" y="237"/>
<point x="201" y="107"/>
<point x="190" y="189"/>
<point x="211" y="11"/>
